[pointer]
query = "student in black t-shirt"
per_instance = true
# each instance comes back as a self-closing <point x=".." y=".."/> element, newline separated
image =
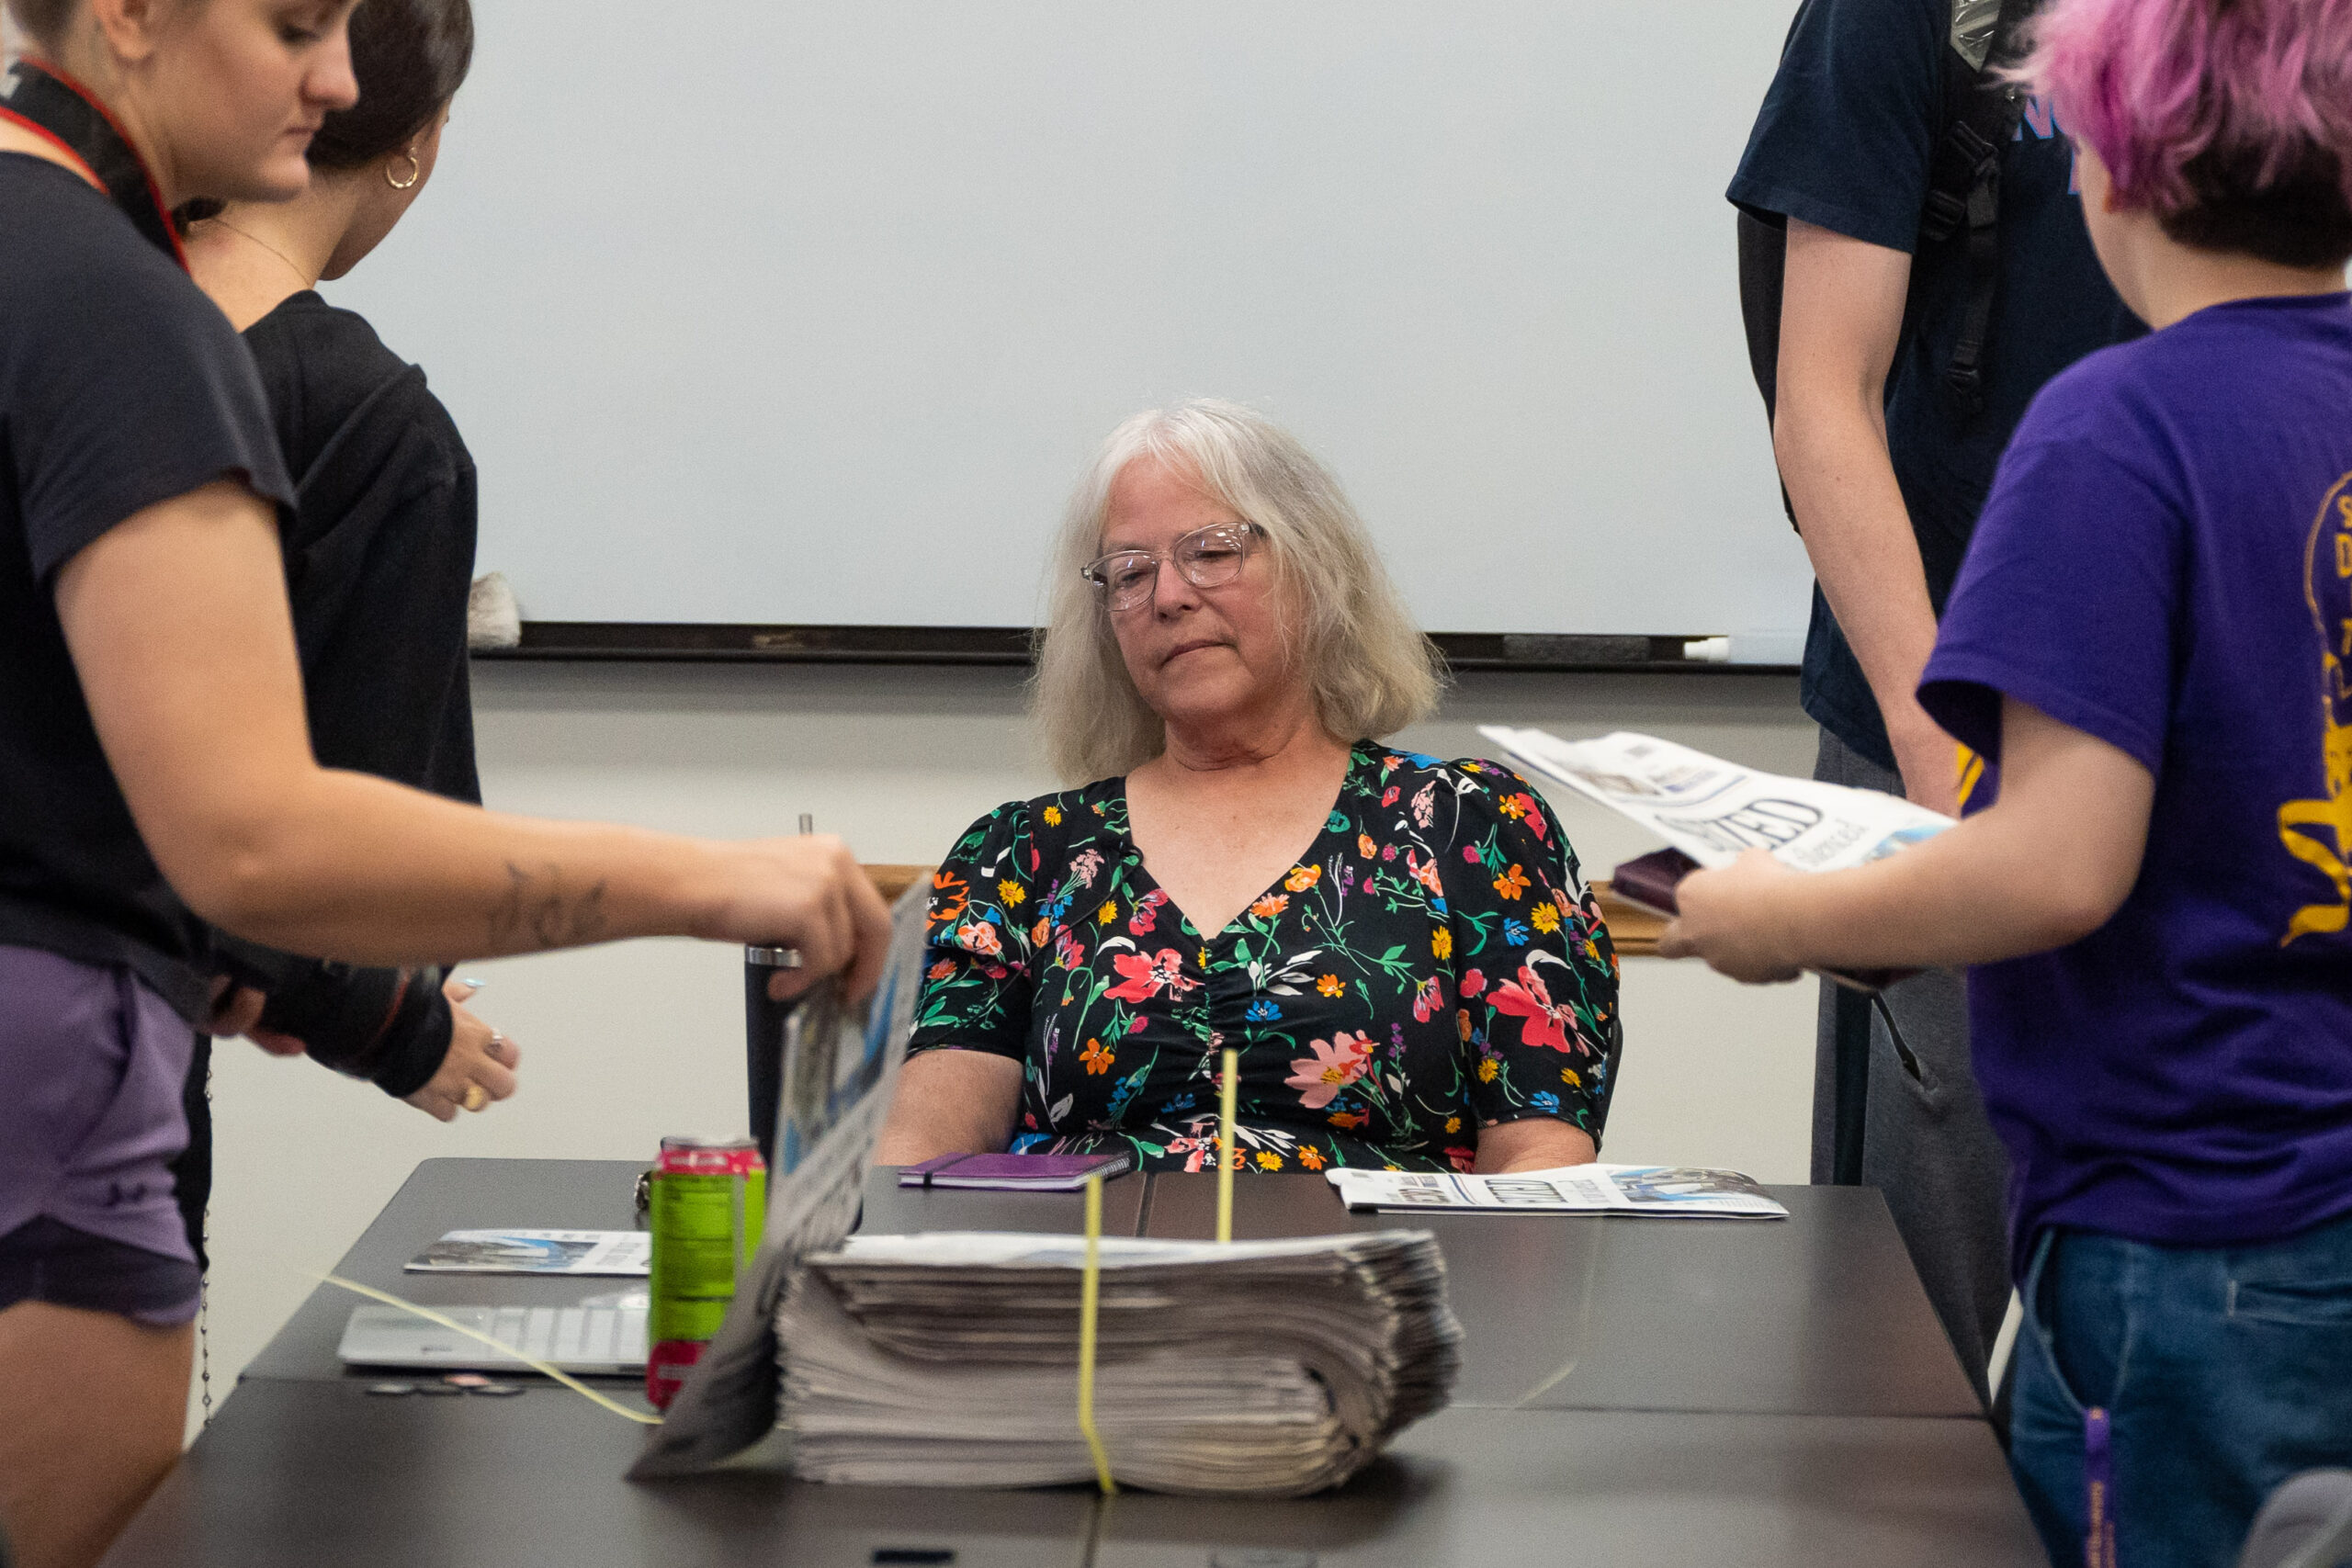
<point x="153" y="746"/>
<point x="381" y="550"/>
<point x="1886" y="471"/>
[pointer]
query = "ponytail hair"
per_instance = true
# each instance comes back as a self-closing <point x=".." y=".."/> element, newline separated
<point x="410" y="57"/>
<point x="42" y="22"/>
<point x="2230" y="121"/>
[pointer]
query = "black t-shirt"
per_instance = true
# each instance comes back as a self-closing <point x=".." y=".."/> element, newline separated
<point x="1846" y="141"/>
<point x="120" y="386"/>
<point x="380" y="554"/>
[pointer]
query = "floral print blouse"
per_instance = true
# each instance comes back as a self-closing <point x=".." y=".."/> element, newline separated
<point x="1432" y="966"/>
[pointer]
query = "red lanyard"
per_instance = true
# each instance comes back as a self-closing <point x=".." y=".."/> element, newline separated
<point x="69" y="116"/>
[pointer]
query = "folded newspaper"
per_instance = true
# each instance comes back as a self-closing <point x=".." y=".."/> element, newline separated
<point x="840" y="1065"/>
<point x="1677" y="1191"/>
<point x="1711" y="812"/>
<point x="1714" y="811"/>
<point x="1254" y="1368"/>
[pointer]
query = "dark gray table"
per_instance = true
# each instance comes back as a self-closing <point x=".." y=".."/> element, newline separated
<point x="1606" y="1488"/>
<point x="301" y="1466"/>
<point x="317" y="1475"/>
<point x="1818" y="1314"/>
<point x="297" y="1474"/>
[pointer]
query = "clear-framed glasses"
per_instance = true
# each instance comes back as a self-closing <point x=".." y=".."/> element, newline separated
<point x="1209" y="558"/>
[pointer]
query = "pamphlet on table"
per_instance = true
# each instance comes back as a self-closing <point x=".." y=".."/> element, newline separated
<point x="617" y="1253"/>
<point x="1661" y="1191"/>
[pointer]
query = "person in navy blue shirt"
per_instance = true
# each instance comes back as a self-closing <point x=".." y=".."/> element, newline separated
<point x="1885" y="470"/>
<point x="2147" y="652"/>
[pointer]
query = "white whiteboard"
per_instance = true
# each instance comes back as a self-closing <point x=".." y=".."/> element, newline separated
<point x="811" y="311"/>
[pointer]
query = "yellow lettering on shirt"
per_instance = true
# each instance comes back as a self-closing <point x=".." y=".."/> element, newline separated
<point x="1972" y="773"/>
<point x="2318" y="831"/>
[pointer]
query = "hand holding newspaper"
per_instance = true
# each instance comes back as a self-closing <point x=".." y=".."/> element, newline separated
<point x="839" y="1068"/>
<point x="1711" y="812"/>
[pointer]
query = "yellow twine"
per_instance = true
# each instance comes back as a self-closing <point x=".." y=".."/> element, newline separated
<point x="574" y="1384"/>
<point x="1090" y="1307"/>
<point x="1226" y="1148"/>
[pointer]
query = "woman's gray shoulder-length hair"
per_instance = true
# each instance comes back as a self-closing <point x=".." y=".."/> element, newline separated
<point x="1372" y="670"/>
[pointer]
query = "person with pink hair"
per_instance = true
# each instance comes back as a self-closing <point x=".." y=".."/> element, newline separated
<point x="2146" y="652"/>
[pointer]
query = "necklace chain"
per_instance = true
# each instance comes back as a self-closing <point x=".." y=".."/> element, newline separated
<point x="308" y="282"/>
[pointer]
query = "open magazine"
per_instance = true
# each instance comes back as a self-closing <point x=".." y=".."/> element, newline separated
<point x="1674" y="1192"/>
<point x="1710" y="812"/>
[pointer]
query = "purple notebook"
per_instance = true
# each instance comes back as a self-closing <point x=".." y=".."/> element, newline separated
<point x="1014" y="1173"/>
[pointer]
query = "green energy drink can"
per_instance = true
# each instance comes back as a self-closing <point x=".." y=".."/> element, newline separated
<point x="711" y="1203"/>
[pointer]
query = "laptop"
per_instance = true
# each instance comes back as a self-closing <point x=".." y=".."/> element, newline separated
<point x="582" y="1340"/>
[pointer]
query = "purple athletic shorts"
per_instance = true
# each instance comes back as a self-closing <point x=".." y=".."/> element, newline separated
<point x="92" y="1065"/>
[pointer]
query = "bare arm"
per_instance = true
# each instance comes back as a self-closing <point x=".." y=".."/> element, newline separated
<point x="1537" y="1143"/>
<point x="179" y="629"/>
<point x="950" y="1102"/>
<point x="1841" y="317"/>
<point x="2047" y="864"/>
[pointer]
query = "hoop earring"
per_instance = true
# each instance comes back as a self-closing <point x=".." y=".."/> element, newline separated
<point x="415" y="173"/>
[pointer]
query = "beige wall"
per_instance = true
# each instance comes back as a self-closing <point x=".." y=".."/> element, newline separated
<point x="627" y="1043"/>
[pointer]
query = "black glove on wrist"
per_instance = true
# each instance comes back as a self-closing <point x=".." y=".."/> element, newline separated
<point x="391" y="1027"/>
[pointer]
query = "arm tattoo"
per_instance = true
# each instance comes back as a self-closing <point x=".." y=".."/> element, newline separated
<point x="535" y="908"/>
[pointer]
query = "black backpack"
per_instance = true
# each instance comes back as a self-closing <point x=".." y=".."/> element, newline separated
<point x="1980" y="114"/>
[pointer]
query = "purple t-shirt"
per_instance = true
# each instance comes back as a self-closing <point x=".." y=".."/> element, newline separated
<point x="2166" y="563"/>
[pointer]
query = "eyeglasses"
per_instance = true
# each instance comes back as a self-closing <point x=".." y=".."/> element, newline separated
<point x="1208" y="558"/>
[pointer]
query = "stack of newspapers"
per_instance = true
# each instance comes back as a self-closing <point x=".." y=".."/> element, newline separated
<point x="1254" y="1368"/>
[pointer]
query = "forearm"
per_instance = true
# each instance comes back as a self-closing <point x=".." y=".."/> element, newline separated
<point x="950" y="1102"/>
<point x="1536" y="1142"/>
<point x="178" y="625"/>
<point x="1857" y="535"/>
<point x="1842" y="322"/>
<point x="1992" y="888"/>
<point x="311" y="874"/>
<point x="2047" y="864"/>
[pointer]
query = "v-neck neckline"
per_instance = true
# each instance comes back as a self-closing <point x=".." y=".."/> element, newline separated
<point x="1358" y="757"/>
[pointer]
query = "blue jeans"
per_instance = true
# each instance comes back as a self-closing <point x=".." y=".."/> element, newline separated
<point x="2218" y="1373"/>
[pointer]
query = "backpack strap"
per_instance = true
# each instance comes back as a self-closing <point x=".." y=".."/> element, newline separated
<point x="1981" y="115"/>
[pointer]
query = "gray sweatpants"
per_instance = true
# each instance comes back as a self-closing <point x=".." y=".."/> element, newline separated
<point x="1926" y="1143"/>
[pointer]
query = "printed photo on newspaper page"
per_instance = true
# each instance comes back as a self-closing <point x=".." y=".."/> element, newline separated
<point x="1713" y="810"/>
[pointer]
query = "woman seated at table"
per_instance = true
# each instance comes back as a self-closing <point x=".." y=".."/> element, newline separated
<point x="1400" y="949"/>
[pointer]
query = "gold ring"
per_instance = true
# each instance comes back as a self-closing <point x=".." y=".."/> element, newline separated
<point x="475" y="1097"/>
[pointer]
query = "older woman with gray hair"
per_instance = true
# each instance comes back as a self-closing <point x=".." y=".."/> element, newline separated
<point x="1400" y="949"/>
